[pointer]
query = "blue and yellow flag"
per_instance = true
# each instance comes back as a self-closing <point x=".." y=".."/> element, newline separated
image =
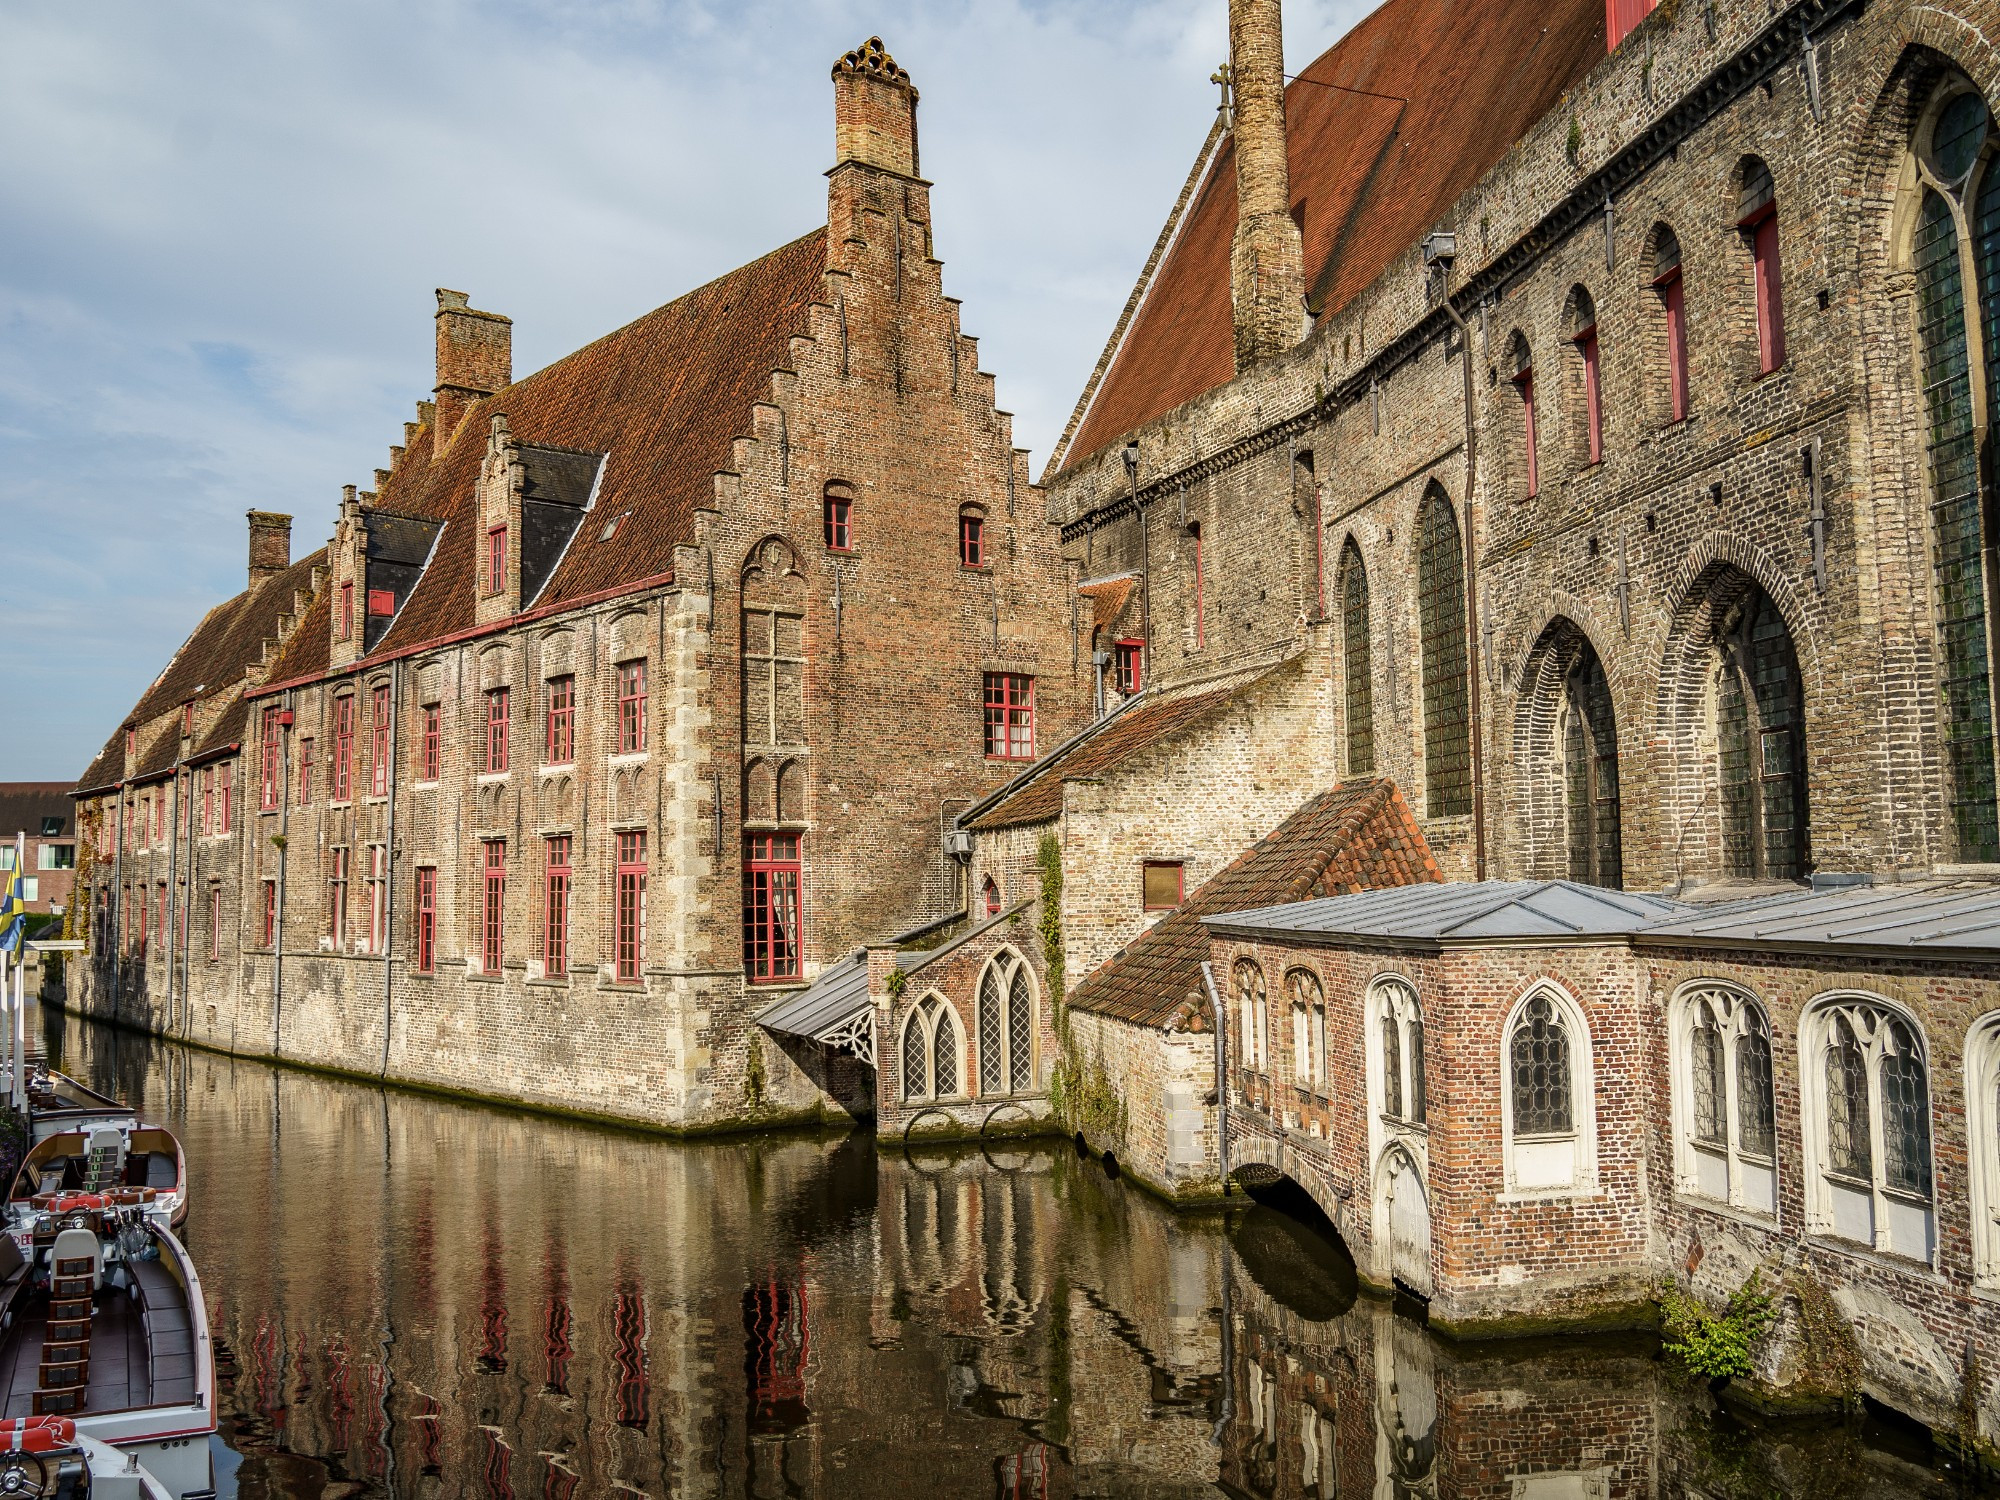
<point x="13" y="911"/>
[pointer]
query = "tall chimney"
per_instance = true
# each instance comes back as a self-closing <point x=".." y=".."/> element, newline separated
<point x="874" y="111"/>
<point x="475" y="357"/>
<point x="1266" y="262"/>
<point x="270" y="545"/>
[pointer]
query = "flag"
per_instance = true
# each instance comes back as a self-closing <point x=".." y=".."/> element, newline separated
<point x="13" y="911"/>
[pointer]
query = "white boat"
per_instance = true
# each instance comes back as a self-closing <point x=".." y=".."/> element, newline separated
<point x="102" y="1322"/>
<point x="113" y="1164"/>
<point x="47" y="1456"/>
<point x="57" y="1102"/>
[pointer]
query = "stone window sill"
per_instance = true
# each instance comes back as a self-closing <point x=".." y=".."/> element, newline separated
<point x="547" y="984"/>
<point x="556" y="768"/>
<point x="628" y="758"/>
<point x="1700" y="1203"/>
<point x="490" y="778"/>
<point x="1868" y="1254"/>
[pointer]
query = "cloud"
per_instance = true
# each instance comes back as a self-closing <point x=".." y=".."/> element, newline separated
<point x="225" y="222"/>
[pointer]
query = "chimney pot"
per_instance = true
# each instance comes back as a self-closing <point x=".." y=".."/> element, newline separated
<point x="270" y="545"/>
<point x="874" y="111"/>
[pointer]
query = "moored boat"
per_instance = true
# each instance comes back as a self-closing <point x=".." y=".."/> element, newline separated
<point x="58" y="1103"/>
<point x="114" y="1164"/>
<point x="47" y="1456"/>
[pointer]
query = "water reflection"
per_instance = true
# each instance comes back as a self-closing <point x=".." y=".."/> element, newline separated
<point x="413" y="1297"/>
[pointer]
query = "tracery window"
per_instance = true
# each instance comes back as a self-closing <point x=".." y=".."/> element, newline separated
<point x="1441" y="612"/>
<point x="931" y="1052"/>
<point x="1868" y="1127"/>
<point x="1549" y="1101"/>
<point x="1590" y="775"/>
<point x="1956" y="244"/>
<point x="1308" y="1006"/>
<point x="1399" y="1022"/>
<point x="1247" y="981"/>
<point x="1982" y="1129"/>
<point x="1356" y="662"/>
<point x="1760" y="743"/>
<point x="1006" y="1025"/>
<point x="1726" y="1118"/>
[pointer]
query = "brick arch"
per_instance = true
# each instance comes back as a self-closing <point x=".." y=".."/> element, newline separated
<point x="1686" y="587"/>
<point x="1539" y="799"/>
<point x="1263" y="1151"/>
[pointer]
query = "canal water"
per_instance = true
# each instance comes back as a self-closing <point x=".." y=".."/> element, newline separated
<point x="423" y="1298"/>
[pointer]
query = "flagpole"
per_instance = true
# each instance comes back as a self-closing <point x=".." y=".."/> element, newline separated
<point x="20" y="1010"/>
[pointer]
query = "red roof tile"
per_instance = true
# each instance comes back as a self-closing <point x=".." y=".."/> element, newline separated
<point x="1373" y="173"/>
<point x="1107" y="597"/>
<point x="1360" y="836"/>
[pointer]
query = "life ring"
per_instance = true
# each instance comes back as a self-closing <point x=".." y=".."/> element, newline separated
<point x="47" y="1434"/>
<point x="71" y="1202"/>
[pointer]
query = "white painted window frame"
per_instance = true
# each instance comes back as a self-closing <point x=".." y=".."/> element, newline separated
<point x="1982" y="1139"/>
<point x="924" y="1015"/>
<point x="1737" y="1006"/>
<point x="1005" y="971"/>
<point x="1582" y="1136"/>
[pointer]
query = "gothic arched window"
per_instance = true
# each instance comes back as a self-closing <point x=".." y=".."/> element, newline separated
<point x="1982" y="1130"/>
<point x="931" y="1052"/>
<point x="1955" y="245"/>
<point x="1548" y="1114"/>
<point x="1587" y="384"/>
<point x="1590" y="775"/>
<point x="1867" y="1125"/>
<point x="1441" y="615"/>
<point x="1308" y="1003"/>
<point x="1399" y="1024"/>
<point x="1006" y="1025"/>
<point x="1760" y="743"/>
<point x="1725" y="1144"/>
<point x="1356" y="662"/>
<point x="1253" y="1020"/>
<point x="1665" y="272"/>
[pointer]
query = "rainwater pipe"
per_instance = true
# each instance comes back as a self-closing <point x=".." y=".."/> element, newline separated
<point x="1221" y="1075"/>
<point x="389" y="858"/>
<point x="1440" y="249"/>
<point x="285" y="714"/>
<point x="1145" y="566"/>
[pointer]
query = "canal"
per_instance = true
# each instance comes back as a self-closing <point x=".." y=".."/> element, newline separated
<point x="423" y="1298"/>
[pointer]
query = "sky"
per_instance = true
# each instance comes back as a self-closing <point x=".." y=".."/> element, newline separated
<point x="221" y="226"/>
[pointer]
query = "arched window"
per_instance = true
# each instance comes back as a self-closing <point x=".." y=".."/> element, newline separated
<point x="1006" y="1025"/>
<point x="1522" y="364"/>
<point x="1356" y="662"/>
<point x="1399" y="1024"/>
<point x="1247" y="980"/>
<point x="1548" y="1106"/>
<point x="1955" y="245"/>
<point x="989" y="897"/>
<point x="931" y="1052"/>
<point x="1441" y="612"/>
<point x="1308" y="1002"/>
<point x="1590" y="775"/>
<point x="1666" y="273"/>
<point x="1757" y="217"/>
<point x="1587" y="385"/>
<point x="1725" y="1118"/>
<point x="1982" y="1131"/>
<point x="1867" y="1125"/>
<point x="1760" y="743"/>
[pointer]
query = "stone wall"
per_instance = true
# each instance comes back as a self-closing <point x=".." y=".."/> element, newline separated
<point x="1147" y="1098"/>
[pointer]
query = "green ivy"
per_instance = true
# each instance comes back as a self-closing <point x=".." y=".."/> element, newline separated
<point x="1716" y="1345"/>
<point x="753" y="1074"/>
<point x="1049" y="857"/>
<point x="898" y="977"/>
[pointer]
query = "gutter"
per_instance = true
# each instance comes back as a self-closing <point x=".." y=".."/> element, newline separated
<point x="389" y="860"/>
<point x="1221" y="1074"/>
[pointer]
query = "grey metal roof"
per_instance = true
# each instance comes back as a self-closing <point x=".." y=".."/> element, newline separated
<point x="1458" y="911"/>
<point x="839" y="992"/>
<point x="1943" y="916"/>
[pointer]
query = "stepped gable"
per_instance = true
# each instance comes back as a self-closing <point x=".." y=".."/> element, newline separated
<point x="663" y="398"/>
<point x="1374" y="175"/>
<point x="225" y="645"/>
<point x="1359" y="836"/>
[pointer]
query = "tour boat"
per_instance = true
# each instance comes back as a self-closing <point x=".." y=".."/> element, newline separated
<point x="57" y="1102"/>
<point x="47" y="1456"/>
<point x="117" y="1164"/>
<point x="102" y="1324"/>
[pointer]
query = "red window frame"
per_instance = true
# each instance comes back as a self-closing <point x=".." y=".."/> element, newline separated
<point x="207" y="800"/>
<point x="971" y="539"/>
<point x="631" y="707"/>
<point x="270" y="914"/>
<point x="214" y="923"/>
<point x="990" y="893"/>
<point x="1762" y="227"/>
<point x="1010" y="716"/>
<point x="1146" y="868"/>
<point x="496" y="559"/>
<point x="555" y="907"/>
<point x="433" y="748"/>
<point x="496" y="730"/>
<point x="559" y="744"/>
<point x="343" y="746"/>
<point x="629" y="934"/>
<point x="773" y="898"/>
<point x="426" y="919"/>
<point x="346" y="611"/>
<point x="187" y="717"/>
<point x="144" y="909"/>
<point x="492" y="909"/>
<point x="158" y="805"/>
<point x="378" y="713"/>
<point x="1126" y="669"/>
<point x="381" y="601"/>
<point x="839" y="532"/>
<point x="1673" y="303"/>
<point x="161" y="926"/>
<point x="225" y="793"/>
<point x="305" y="772"/>
<point x="1593" y="400"/>
<point x="337" y="899"/>
<point x="1524" y="382"/>
<point x="268" y="798"/>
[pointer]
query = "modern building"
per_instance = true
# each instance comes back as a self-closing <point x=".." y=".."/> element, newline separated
<point x="40" y="811"/>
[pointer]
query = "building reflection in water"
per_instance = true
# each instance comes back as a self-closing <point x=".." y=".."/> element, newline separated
<point x="812" y="1318"/>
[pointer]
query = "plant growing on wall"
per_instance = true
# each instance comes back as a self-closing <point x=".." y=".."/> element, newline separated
<point x="1049" y="857"/>
<point x="1716" y="1346"/>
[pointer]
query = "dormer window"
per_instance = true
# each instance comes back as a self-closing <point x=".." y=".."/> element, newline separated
<point x="496" y="559"/>
<point x="345" y="619"/>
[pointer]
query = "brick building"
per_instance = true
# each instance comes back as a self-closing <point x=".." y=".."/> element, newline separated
<point x="634" y="692"/>
<point x="43" y="813"/>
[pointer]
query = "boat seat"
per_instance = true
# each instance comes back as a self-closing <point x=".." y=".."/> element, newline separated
<point x="161" y="1171"/>
<point x="14" y="1269"/>
<point x="74" y="1254"/>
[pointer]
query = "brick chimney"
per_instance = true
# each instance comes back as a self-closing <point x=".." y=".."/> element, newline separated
<point x="270" y="545"/>
<point x="874" y="111"/>
<point x="1267" y="261"/>
<point x="475" y="357"/>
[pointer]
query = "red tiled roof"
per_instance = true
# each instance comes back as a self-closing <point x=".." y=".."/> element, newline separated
<point x="1374" y="174"/>
<point x="1038" y="795"/>
<point x="662" y="398"/>
<point x="1107" y="597"/>
<point x="1360" y="836"/>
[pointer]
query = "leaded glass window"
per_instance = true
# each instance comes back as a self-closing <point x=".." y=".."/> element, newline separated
<point x="1392" y="1063"/>
<point x="1541" y="1068"/>
<point x="1302" y="988"/>
<point x="1006" y="1026"/>
<point x="1021" y="1031"/>
<point x="1756" y="1116"/>
<point x="992" y="1047"/>
<point x="1590" y="775"/>
<point x="916" y="1060"/>
<point x="1848" y="1147"/>
<point x="1760" y="743"/>
<point x="930" y="1052"/>
<point x="1250" y="1006"/>
<point x="1418" y="1097"/>
<point x="1710" y="1096"/>
<point x="1906" y="1114"/>
<point x="944" y="1053"/>
<point x="1441" y="615"/>
<point x="1356" y="662"/>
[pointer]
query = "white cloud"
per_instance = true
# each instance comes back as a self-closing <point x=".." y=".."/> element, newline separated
<point x="225" y="221"/>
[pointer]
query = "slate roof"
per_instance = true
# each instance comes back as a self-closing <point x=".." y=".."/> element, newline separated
<point x="1359" y="836"/>
<point x="1036" y="795"/>
<point x="212" y="660"/>
<point x="662" y="398"/>
<point x="1373" y="174"/>
<point x="23" y="805"/>
<point x="1463" y="911"/>
<point x="1946" y="918"/>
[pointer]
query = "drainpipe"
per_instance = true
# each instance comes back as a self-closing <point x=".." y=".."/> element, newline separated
<point x="389" y="855"/>
<point x="177" y="908"/>
<point x="284" y="857"/>
<point x="1221" y="1074"/>
<point x="1474" y="665"/>
<point x="118" y="898"/>
<point x="185" y="783"/>
<point x="1145" y="566"/>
